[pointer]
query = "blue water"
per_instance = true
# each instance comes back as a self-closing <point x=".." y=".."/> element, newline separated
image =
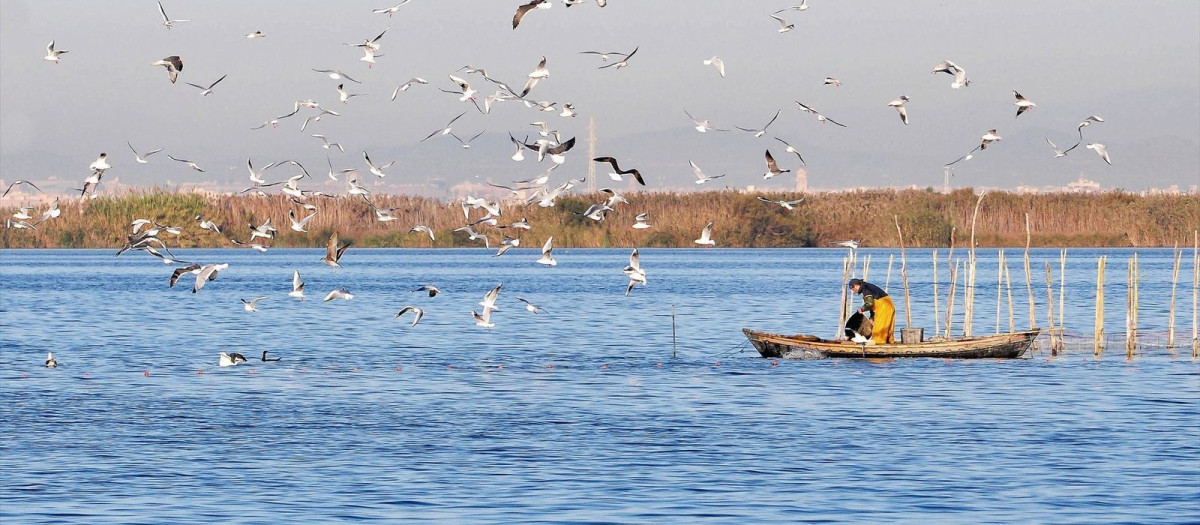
<point x="581" y="413"/>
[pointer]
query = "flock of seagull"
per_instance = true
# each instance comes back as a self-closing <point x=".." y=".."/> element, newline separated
<point x="146" y="234"/>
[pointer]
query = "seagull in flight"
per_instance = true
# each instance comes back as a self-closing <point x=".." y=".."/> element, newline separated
<point x="467" y="143"/>
<point x="1085" y="123"/>
<point x="717" y="63"/>
<point x="406" y="85"/>
<point x="706" y="236"/>
<point x="207" y="273"/>
<point x="252" y="305"/>
<point x="377" y="170"/>
<point x="390" y="10"/>
<point x="787" y="205"/>
<point x="602" y="54"/>
<point x="1060" y="153"/>
<point x="431" y="289"/>
<point x="1100" y="150"/>
<point x="852" y="244"/>
<point x="484" y="319"/>
<point x="174" y="65"/>
<point x="623" y="62"/>
<point x="636" y="174"/>
<point x="326" y="144"/>
<point x="760" y="132"/>
<point x="422" y="228"/>
<point x="986" y="139"/>
<point x="336" y="74"/>
<point x="334" y="251"/>
<point x="340" y="293"/>
<point x="417" y="313"/>
<point x="701" y="177"/>
<point x="52" y="54"/>
<point x="790" y="149"/>
<point x="1023" y="104"/>
<point x="204" y="91"/>
<point x="10" y="187"/>
<point x="701" y="125"/>
<point x="256" y="34"/>
<point x="772" y="167"/>
<point x="538" y="73"/>
<point x="166" y="19"/>
<point x="190" y="164"/>
<point x="298" y="225"/>
<point x="532" y="308"/>
<point x="783" y="25"/>
<point x="297" y="286"/>
<point x="802" y="7"/>
<point x="141" y="159"/>
<point x="634" y="271"/>
<point x="547" y="257"/>
<point x="525" y="8"/>
<point x="641" y="221"/>
<point x="834" y="81"/>
<point x="489" y="299"/>
<point x="899" y="105"/>
<point x="960" y="74"/>
<point x="446" y="130"/>
<point x="821" y="118"/>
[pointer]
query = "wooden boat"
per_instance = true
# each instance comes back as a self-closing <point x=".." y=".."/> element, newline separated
<point x="801" y="346"/>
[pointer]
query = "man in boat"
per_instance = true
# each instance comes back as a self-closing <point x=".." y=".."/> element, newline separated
<point x="883" y="312"/>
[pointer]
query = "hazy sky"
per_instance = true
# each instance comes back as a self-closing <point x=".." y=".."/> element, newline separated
<point x="1136" y="64"/>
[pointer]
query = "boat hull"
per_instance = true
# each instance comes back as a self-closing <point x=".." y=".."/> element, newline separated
<point x="801" y="346"/>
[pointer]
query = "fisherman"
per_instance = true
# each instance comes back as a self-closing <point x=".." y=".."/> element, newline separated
<point x="883" y="312"/>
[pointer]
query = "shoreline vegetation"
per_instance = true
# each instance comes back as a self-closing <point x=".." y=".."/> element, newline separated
<point x="740" y="220"/>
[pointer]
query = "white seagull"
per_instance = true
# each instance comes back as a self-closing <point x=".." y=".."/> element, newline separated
<point x="641" y="221"/>
<point x="377" y="170"/>
<point x="831" y="80"/>
<point x="174" y="65"/>
<point x="298" y="225"/>
<point x="960" y="74"/>
<point x="336" y="74"/>
<point x="340" y="293"/>
<point x="446" y="130"/>
<point x="345" y="97"/>
<point x="252" y="305"/>
<point x="484" y="320"/>
<point x="547" y="257"/>
<point x="538" y="73"/>
<point x="489" y="299"/>
<point x="634" y="271"/>
<point x="701" y="177"/>
<point x="898" y="103"/>
<point x="1023" y="104"/>
<point x="190" y="164"/>
<point x="297" y="286"/>
<point x="772" y="167"/>
<point x="50" y="361"/>
<point x="760" y="132"/>
<point x="230" y="359"/>
<point x="820" y="118"/>
<point x="166" y="19"/>
<point x="204" y="91"/>
<point x="334" y="251"/>
<point x="207" y="273"/>
<point x="141" y="159"/>
<point x="790" y="149"/>
<point x="706" y="236"/>
<point x="1101" y="150"/>
<point x="717" y="63"/>
<point x="532" y="308"/>
<point x="783" y="25"/>
<point x="52" y="54"/>
<point x="406" y="85"/>
<point x="787" y="205"/>
<point x="417" y="313"/>
<point x="422" y="228"/>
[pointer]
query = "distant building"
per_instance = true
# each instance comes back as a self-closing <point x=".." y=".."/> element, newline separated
<point x="1083" y="185"/>
<point x="801" y="180"/>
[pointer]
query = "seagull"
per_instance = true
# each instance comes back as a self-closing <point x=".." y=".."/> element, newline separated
<point x="986" y="139"/>
<point x="538" y="73"/>
<point x="1023" y="104"/>
<point x="790" y="149"/>
<point x="636" y="174"/>
<point x="298" y="225"/>
<point x="230" y="359"/>
<point x="190" y="164"/>
<point x="207" y="273"/>
<point x="701" y="178"/>
<point x="390" y="10"/>
<point x="406" y="85"/>
<point x="603" y="54"/>
<point x="960" y="75"/>
<point x="568" y="110"/>
<point x="50" y="213"/>
<point x="1060" y="153"/>
<point x="1087" y="122"/>
<point x="174" y="65"/>
<point x="208" y="225"/>
<point x="52" y="54"/>
<point x="852" y="244"/>
<point x="204" y="91"/>
<point x="772" y="167"/>
<point x="333" y="252"/>
<point x="377" y="170"/>
<point x="10" y="187"/>
<point x="422" y="228"/>
<point x="465" y="89"/>
<point x="802" y="7"/>
<point x="252" y="305"/>
<point x="340" y="293"/>
<point x="717" y="63"/>
<point x="445" y="130"/>
<point x="624" y="61"/>
<point x="260" y="248"/>
<point x="640" y="221"/>
<point x="525" y="8"/>
<point x="484" y="320"/>
<point x="532" y="308"/>
<point x="264" y="230"/>
<point x="760" y="132"/>
<point x="467" y="143"/>
<point x="1101" y="150"/>
<point x="555" y="153"/>
<point x="345" y="97"/>
<point x="489" y="299"/>
<point x="336" y="74"/>
<point x="100" y="164"/>
<point x="506" y="244"/>
<point x="821" y="118"/>
<point x="431" y="289"/>
<point x="167" y="20"/>
<point x="783" y="25"/>
<point x="265" y="359"/>
<point x="372" y="44"/>
<point x="297" y="286"/>
<point x="417" y="313"/>
<point x="899" y="105"/>
<point x="23" y="213"/>
<point x="256" y="34"/>
<point x="634" y="271"/>
<point x="50" y="361"/>
<point x="834" y="81"/>
<point x="787" y="205"/>
<point x="701" y="125"/>
<point x="326" y="144"/>
<point x="141" y="159"/>
<point x="706" y="236"/>
<point x="354" y="188"/>
<point x="547" y="257"/>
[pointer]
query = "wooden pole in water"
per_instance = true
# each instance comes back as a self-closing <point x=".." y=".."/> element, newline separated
<point x="674" y="349"/>
<point x="887" y="283"/>
<point x="1195" y="293"/>
<point x="950" y="300"/>
<point x="1129" y="308"/>
<point x="999" y="286"/>
<point x="969" y="291"/>
<point x="903" y="274"/>
<point x="1050" y="310"/>
<point x="937" y="316"/>
<point x="1137" y="294"/>
<point x="1012" y="321"/>
<point x="847" y="264"/>
<point x="1099" y="336"/>
<point x="1062" y="302"/>
<point x="1029" y="277"/>
<point x="866" y="267"/>
<point x="1174" y="283"/>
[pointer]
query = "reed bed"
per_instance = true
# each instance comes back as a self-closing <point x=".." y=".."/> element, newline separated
<point x="928" y="219"/>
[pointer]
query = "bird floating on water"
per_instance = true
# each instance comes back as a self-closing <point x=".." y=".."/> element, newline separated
<point x="230" y="359"/>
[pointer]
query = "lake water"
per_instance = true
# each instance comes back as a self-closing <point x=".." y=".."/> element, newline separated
<point x="588" y="412"/>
